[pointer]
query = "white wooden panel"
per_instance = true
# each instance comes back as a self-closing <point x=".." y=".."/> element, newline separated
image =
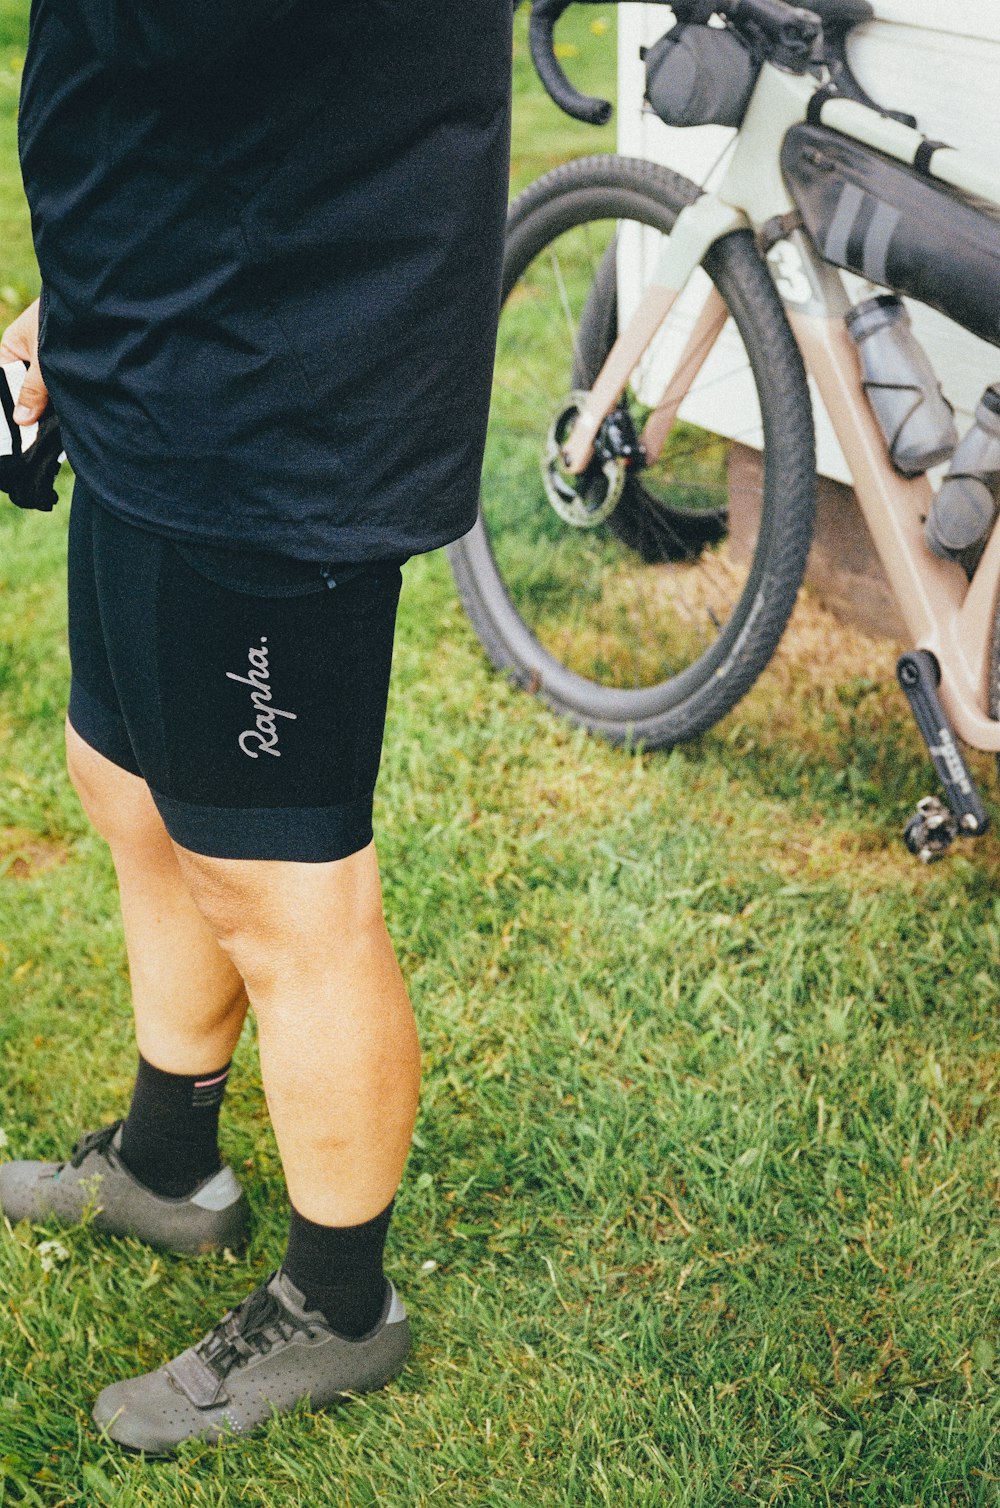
<point x="969" y="18"/>
<point x="939" y="62"/>
<point x="948" y="82"/>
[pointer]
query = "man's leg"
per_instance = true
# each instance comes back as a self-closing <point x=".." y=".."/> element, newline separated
<point x="188" y="997"/>
<point x="160" y="1176"/>
<point x="189" y="1001"/>
<point x="338" y="1043"/>
<point x="339" y="1058"/>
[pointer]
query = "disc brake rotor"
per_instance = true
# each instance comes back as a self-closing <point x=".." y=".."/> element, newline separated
<point x="582" y="501"/>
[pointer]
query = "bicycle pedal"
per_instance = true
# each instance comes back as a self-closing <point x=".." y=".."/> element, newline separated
<point x="933" y="828"/>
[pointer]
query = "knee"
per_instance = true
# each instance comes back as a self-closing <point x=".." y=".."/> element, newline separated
<point x="117" y="803"/>
<point x="286" y="921"/>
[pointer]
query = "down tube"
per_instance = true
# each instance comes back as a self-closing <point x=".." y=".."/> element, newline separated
<point x="931" y="593"/>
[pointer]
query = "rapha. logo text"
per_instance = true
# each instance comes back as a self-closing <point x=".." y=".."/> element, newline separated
<point x="262" y="738"/>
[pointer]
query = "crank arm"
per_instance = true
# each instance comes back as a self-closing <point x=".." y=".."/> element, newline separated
<point x="918" y="674"/>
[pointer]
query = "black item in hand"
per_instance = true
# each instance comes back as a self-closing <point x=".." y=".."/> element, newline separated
<point x="28" y="475"/>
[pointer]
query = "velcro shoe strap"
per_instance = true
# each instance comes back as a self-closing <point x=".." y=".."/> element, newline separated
<point x="196" y="1380"/>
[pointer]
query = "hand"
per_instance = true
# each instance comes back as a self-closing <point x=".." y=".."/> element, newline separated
<point x="20" y="343"/>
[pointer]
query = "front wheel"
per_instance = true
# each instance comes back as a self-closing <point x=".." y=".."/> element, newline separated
<point x="640" y="603"/>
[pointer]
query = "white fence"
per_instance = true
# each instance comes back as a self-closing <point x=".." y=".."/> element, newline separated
<point x="940" y="63"/>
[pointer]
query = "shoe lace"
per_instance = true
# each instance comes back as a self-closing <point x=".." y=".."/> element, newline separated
<point x="94" y="1141"/>
<point x="251" y="1329"/>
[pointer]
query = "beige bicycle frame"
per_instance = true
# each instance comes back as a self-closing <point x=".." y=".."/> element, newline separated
<point x="943" y="612"/>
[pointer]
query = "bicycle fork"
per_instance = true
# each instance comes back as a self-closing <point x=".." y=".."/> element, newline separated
<point x="698" y="227"/>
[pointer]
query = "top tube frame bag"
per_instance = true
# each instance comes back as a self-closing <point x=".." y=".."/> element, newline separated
<point x="896" y="226"/>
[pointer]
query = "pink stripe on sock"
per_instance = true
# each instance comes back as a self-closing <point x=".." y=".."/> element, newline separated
<point x="205" y="1083"/>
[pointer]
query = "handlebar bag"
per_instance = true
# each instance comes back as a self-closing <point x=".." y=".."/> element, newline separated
<point x="897" y="227"/>
<point x="700" y="76"/>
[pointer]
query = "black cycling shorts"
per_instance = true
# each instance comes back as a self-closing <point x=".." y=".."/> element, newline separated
<point x="249" y="693"/>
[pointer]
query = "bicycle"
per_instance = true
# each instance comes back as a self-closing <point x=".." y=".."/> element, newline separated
<point x="622" y="567"/>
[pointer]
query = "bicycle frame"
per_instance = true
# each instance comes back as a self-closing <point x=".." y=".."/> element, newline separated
<point x="943" y="612"/>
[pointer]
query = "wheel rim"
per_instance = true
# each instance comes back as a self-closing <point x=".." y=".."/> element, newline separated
<point x="588" y="607"/>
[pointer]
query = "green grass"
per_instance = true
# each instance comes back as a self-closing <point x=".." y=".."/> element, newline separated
<point x="707" y="1155"/>
<point x="19" y="280"/>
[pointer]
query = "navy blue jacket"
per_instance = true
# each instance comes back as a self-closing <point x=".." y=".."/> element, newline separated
<point x="270" y="234"/>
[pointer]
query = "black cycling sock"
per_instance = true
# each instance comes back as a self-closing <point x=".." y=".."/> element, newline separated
<point x="170" y="1136"/>
<point x="339" y="1269"/>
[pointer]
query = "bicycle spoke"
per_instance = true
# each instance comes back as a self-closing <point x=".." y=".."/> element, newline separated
<point x="593" y="260"/>
<point x="564" y="300"/>
<point x="619" y="613"/>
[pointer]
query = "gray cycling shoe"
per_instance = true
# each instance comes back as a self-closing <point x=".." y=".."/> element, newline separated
<point x="95" y="1178"/>
<point x="263" y="1357"/>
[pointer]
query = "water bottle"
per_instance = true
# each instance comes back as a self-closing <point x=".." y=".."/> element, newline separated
<point x="913" y="413"/>
<point x="965" y="509"/>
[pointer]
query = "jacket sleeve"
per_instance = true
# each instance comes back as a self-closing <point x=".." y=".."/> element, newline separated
<point x="170" y="37"/>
